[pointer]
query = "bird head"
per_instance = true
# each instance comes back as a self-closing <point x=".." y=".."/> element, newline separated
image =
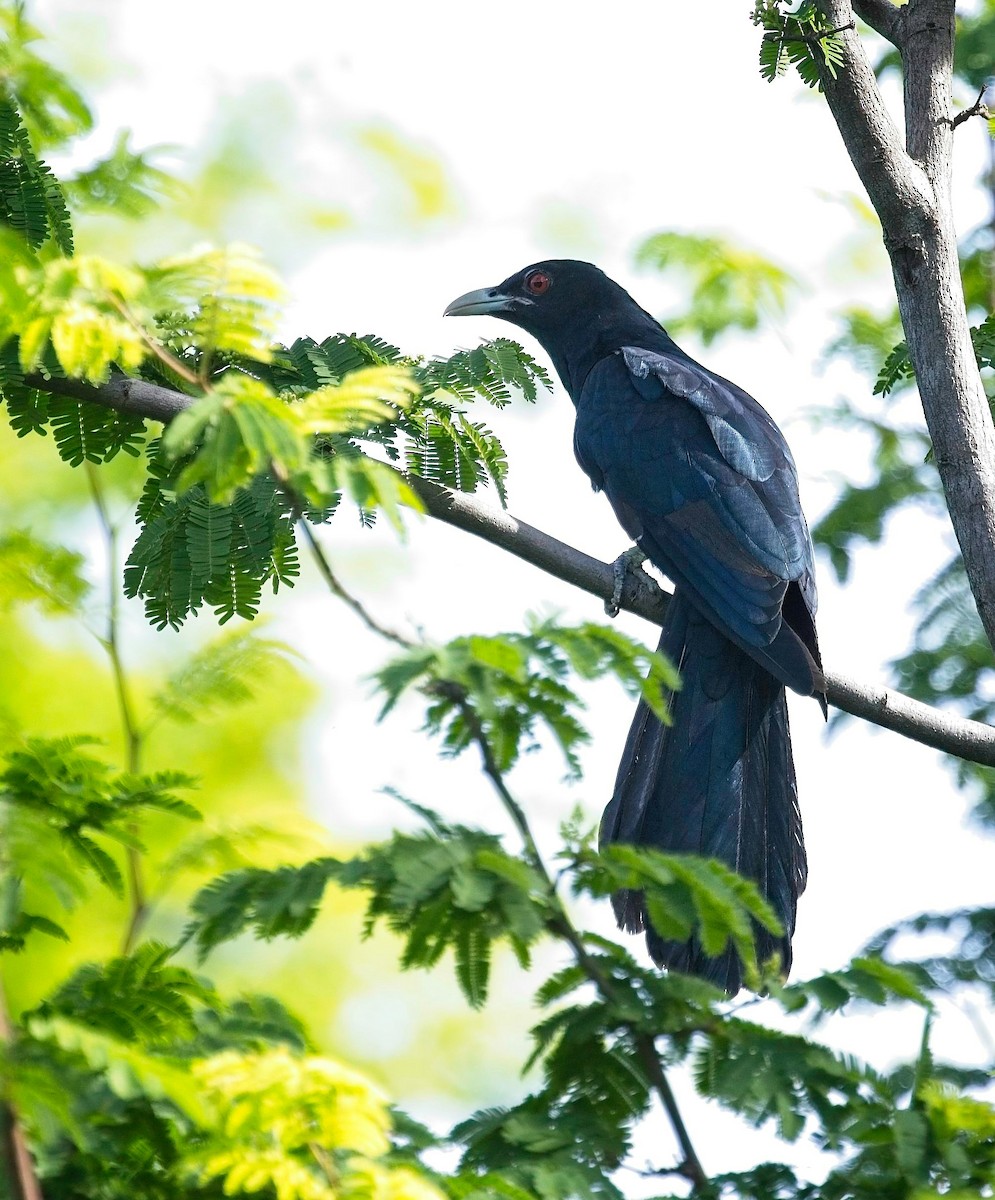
<point x="572" y="309"/>
<point x="545" y="298"/>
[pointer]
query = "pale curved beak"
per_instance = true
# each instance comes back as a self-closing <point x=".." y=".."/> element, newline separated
<point x="480" y="302"/>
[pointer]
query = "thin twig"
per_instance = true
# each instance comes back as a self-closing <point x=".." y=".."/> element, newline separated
<point x="326" y="1164"/>
<point x="812" y="39"/>
<point x="111" y="642"/>
<point x="297" y="507"/>
<point x="977" y="109"/>
<point x="690" y="1167"/>
<point x="329" y="576"/>
<point x="139" y="908"/>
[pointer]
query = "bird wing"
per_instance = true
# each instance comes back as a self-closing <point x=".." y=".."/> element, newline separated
<point x="701" y="477"/>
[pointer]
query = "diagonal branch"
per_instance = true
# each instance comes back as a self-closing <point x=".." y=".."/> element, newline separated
<point x="338" y="589"/>
<point x="910" y="191"/>
<point x="560" y="923"/>
<point x="883" y="17"/>
<point x="969" y="740"/>
<point x="897" y="186"/>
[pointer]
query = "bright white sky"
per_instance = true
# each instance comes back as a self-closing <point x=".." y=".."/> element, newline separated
<point x="573" y="129"/>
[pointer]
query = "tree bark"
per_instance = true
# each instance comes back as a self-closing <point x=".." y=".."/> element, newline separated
<point x="909" y="187"/>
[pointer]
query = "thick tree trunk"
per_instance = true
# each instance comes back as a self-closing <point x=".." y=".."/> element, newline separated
<point x="909" y="187"/>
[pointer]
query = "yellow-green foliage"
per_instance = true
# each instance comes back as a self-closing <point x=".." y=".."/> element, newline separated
<point x="84" y="307"/>
<point x="365" y="397"/>
<point x="231" y="296"/>
<point x="242" y="428"/>
<point x="311" y="1128"/>
<point x="95" y="312"/>
<point x="307" y="1126"/>
<point x="294" y="1101"/>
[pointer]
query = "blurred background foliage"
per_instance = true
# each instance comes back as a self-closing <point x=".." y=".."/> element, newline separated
<point x="241" y="180"/>
<point x="252" y="177"/>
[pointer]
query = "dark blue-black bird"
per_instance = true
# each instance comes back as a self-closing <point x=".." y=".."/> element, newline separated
<point x="703" y="481"/>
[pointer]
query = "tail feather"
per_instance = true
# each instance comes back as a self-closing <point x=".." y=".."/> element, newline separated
<point x="719" y="781"/>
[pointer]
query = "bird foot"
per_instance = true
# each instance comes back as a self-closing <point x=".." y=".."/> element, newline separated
<point x="631" y="560"/>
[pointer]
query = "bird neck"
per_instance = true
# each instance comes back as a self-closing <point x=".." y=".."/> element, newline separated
<point x="575" y="354"/>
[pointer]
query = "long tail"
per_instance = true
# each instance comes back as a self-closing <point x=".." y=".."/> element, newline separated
<point x="719" y="781"/>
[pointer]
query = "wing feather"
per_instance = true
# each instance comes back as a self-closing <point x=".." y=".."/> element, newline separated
<point x="701" y="477"/>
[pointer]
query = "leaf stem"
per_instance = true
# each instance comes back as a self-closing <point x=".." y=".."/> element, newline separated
<point x="133" y="734"/>
<point x="156" y="347"/>
<point x="336" y="587"/>
<point x="690" y="1166"/>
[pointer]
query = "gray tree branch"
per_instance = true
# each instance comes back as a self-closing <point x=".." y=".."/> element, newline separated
<point x="882" y="16"/>
<point x="969" y="740"/>
<point x="126" y="395"/>
<point x="909" y="187"/>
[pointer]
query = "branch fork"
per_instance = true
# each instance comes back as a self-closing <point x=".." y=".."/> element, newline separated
<point x="977" y="109"/>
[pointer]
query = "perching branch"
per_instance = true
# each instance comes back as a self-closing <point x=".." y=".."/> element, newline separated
<point x="126" y="395"/>
<point x="970" y="740"/>
<point x="909" y="186"/>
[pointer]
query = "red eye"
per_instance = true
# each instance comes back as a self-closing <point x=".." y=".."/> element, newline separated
<point x="538" y="283"/>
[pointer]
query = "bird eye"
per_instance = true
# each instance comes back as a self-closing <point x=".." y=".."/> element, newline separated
<point x="538" y="283"/>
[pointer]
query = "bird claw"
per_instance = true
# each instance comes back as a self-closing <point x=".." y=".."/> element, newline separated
<point x="631" y="560"/>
